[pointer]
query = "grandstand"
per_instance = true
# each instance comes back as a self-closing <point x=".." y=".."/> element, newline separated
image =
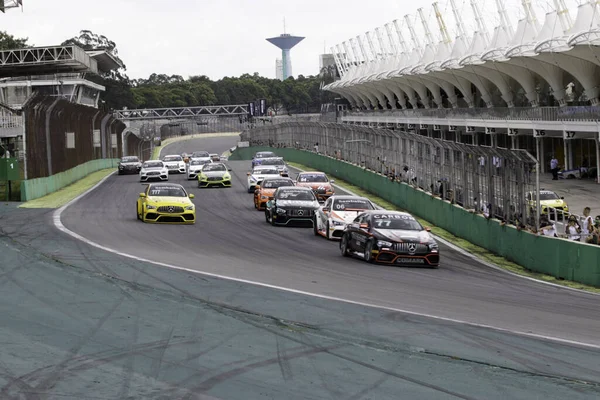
<point x="528" y="83"/>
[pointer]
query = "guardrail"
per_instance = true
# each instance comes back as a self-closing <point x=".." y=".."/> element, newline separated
<point x="563" y="259"/>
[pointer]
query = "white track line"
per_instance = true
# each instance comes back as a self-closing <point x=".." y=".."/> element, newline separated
<point x="59" y="225"/>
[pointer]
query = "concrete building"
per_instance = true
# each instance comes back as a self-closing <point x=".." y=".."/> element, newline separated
<point x="285" y="42"/>
<point x="279" y="69"/>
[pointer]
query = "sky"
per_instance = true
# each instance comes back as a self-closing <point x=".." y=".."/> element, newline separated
<point x="212" y="37"/>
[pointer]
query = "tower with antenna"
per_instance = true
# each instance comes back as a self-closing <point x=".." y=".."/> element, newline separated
<point x="285" y="42"/>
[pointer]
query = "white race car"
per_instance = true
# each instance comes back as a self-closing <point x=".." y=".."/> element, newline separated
<point x="174" y="163"/>
<point x="200" y="156"/>
<point x="332" y="217"/>
<point x="259" y="173"/>
<point x="154" y="169"/>
<point x="275" y="162"/>
<point x="194" y="168"/>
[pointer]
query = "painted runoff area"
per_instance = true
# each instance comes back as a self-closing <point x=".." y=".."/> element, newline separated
<point x="578" y="262"/>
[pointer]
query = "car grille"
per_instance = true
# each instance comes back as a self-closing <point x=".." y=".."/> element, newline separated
<point x="405" y="248"/>
<point x="170" y="209"/>
<point x="214" y="178"/>
<point x="173" y="166"/>
<point x="153" y="173"/>
<point x="300" y="212"/>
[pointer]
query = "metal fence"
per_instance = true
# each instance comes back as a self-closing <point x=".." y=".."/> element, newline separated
<point x="60" y="135"/>
<point x="489" y="180"/>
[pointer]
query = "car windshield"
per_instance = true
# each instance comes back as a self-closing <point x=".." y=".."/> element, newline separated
<point x="166" y="191"/>
<point x="275" y="183"/>
<point x="291" y="194"/>
<point x="153" y="164"/>
<point x="266" y="171"/>
<point x="396" y="221"/>
<point x="272" y="162"/>
<point x="199" y="162"/>
<point x="264" y="154"/>
<point x="200" y="154"/>
<point x="214" y="167"/>
<point x="548" y="195"/>
<point x="172" y="158"/>
<point x="313" y="178"/>
<point x="352" y="204"/>
<point x="130" y="159"/>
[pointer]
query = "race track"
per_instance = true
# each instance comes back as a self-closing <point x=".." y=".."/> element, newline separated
<point x="232" y="239"/>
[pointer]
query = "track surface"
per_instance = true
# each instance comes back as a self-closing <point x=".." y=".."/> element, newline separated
<point x="232" y="239"/>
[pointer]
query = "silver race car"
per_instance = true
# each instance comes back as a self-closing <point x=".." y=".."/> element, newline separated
<point x="154" y="170"/>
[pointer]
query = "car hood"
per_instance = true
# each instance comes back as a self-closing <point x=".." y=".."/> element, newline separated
<point x="297" y="203"/>
<point x="345" y="216"/>
<point x="153" y="169"/>
<point x="315" y="185"/>
<point x="200" y="158"/>
<point x="263" y="177"/>
<point x="196" y="167"/>
<point x="172" y="162"/>
<point x="553" y="203"/>
<point x="130" y="163"/>
<point x="214" y="173"/>
<point x="170" y="200"/>
<point x="398" y="235"/>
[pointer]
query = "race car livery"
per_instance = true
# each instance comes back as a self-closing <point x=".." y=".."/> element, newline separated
<point x="389" y="237"/>
<point x="260" y="173"/>
<point x="174" y="163"/>
<point x="549" y="202"/>
<point x="214" y="174"/>
<point x="338" y="211"/>
<point x="267" y="188"/>
<point x="195" y="166"/>
<point x="200" y="155"/>
<point x="292" y="205"/>
<point x="166" y="203"/>
<point x="154" y="170"/>
<point x="275" y="162"/>
<point x="318" y="182"/>
<point x="257" y="159"/>
<point x="129" y="164"/>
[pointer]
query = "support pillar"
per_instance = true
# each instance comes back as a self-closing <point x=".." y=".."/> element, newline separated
<point x="543" y="165"/>
<point x="598" y="159"/>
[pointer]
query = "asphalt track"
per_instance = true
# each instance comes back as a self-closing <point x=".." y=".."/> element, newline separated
<point x="232" y="239"/>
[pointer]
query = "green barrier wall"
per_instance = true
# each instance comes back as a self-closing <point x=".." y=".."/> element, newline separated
<point x="578" y="262"/>
<point x="39" y="187"/>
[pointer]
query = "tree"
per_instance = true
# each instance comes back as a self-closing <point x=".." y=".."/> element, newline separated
<point x="9" y="42"/>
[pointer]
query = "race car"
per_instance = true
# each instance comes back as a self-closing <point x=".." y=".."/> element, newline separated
<point x="154" y="169"/>
<point x="550" y="203"/>
<point x="194" y="167"/>
<point x="215" y="157"/>
<point x="165" y="203"/>
<point x="258" y="174"/>
<point x="338" y="211"/>
<point x="277" y="162"/>
<point x="389" y="237"/>
<point x="129" y="164"/>
<point x="200" y="155"/>
<point x="214" y="174"/>
<point x="257" y="159"/>
<point x="292" y="205"/>
<point x="265" y="190"/>
<point x="174" y="163"/>
<point x="317" y="181"/>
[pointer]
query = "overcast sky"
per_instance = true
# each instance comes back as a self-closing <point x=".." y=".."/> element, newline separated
<point x="211" y="37"/>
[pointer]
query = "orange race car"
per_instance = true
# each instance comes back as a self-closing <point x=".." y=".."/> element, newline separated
<point x="266" y="189"/>
<point x="318" y="182"/>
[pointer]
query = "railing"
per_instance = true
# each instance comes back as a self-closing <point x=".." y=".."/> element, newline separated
<point x="575" y="113"/>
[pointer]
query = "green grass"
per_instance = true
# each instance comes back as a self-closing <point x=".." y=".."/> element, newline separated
<point x="68" y="193"/>
<point x="166" y="142"/>
<point x="477" y="251"/>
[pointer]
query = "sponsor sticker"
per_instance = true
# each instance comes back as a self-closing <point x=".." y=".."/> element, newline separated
<point x="406" y="260"/>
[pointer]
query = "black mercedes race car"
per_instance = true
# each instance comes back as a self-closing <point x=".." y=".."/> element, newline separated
<point x="389" y="237"/>
<point x="292" y="205"/>
<point x="129" y="165"/>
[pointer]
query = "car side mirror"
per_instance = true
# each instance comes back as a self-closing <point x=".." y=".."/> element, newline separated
<point x="562" y="198"/>
<point x="332" y="181"/>
<point x="427" y="229"/>
<point x="248" y="173"/>
<point x="229" y="169"/>
<point x="191" y="196"/>
<point x="364" y="226"/>
<point x="142" y="194"/>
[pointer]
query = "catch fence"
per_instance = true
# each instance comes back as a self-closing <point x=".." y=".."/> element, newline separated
<point x="60" y="135"/>
<point x="490" y="180"/>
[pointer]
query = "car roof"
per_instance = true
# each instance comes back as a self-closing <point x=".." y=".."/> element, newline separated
<point x="165" y="184"/>
<point x="272" y="158"/>
<point x="387" y="212"/>
<point x="278" y="179"/>
<point x="153" y="161"/>
<point x="172" y="155"/>
<point x="347" y="197"/>
<point x="312" y="172"/>
<point x="264" y="152"/>
<point x="296" y="188"/>
<point x="264" y="167"/>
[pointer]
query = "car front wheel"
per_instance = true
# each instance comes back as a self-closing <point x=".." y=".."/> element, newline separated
<point x="368" y="252"/>
<point x="344" y="246"/>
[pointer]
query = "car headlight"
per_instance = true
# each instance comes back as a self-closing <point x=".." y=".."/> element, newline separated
<point x="336" y="223"/>
<point x="190" y="207"/>
<point x="433" y="247"/>
<point x="203" y="177"/>
<point x="164" y="171"/>
<point x="280" y="211"/>
<point x="384" y="243"/>
<point x="226" y="176"/>
<point x="150" y="207"/>
<point x="264" y="197"/>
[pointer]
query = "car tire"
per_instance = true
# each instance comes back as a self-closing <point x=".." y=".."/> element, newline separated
<point x="344" y="246"/>
<point x="368" y="255"/>
<point x="267" y="216"/>
<point x="315" y="227"/>
<point x="250" y="190"/>
<point x="327" y="234"/>
<point x="272" y="220"/>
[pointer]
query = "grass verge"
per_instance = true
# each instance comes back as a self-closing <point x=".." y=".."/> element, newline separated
<point x="68" y="193"/>
<point x="479" y="252"/>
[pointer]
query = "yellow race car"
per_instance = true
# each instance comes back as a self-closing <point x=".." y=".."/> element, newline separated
<point x="215" y="174"/>
<point x="166" y="203"/>
<point x="550" y="203"/>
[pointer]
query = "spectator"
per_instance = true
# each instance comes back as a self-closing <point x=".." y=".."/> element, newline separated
<point x="573" y="229"/>
<point x="547" y="228"/>
<point x="594" y="238"/>
<point x="588" y="223"/>
<point x="317" y="147"/>
<point x="554" y="168"/>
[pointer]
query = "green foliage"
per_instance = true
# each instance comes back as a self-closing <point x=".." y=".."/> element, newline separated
<point x="9" y="42"/>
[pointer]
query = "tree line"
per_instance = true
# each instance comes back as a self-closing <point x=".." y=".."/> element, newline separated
<point x="294" y="95"/>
